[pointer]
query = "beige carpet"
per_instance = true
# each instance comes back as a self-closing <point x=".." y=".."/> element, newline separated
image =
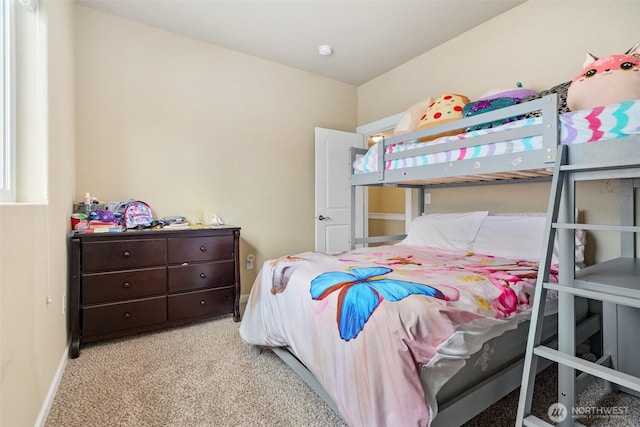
<point x="198" y="375"/>
<point x="205" y="375"/>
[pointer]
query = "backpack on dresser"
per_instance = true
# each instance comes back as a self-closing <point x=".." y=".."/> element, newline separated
<point x="137" y="214"/>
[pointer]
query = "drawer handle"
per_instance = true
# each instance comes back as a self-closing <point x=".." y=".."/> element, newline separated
<point x="203" y="248"/>
<point x="127" y="315"/>
<point x="203" y="276"/>
<point x="126" y="254"/>
<point x="126" y="285"/>
<point x="203" y="303"/>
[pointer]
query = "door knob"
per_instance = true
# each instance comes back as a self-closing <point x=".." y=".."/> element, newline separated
<point x="322" y="217"/>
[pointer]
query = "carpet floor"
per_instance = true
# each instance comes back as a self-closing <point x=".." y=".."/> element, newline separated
<point x="203" y="374"/>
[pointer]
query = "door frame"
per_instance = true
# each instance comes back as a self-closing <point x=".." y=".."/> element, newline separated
<point x="367" y="130"/>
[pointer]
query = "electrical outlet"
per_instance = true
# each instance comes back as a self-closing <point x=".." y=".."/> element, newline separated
<point x="427" y="198"/>
<point x="250" y="259"/>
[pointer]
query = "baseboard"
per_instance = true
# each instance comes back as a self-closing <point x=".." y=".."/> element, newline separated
<point x="53" y="389"/>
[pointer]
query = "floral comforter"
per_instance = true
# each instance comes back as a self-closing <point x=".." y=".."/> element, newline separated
<point x="368" y="322"/>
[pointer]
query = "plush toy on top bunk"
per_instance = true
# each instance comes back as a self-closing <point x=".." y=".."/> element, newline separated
<point x="409" y="121"/>
<point x="445" y="109"/>
<point x="605" y="81"/>
<point x="432" y="112"/>
<point x="493" y="100"/>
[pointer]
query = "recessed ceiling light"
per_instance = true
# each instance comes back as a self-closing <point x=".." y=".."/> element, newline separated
<point x="325" y="50"/>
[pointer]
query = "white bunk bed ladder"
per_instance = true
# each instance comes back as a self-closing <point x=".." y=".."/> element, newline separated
<point x="614" y="283"/>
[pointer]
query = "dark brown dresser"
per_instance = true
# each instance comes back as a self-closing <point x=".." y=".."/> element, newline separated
<point x="136" y="281"/>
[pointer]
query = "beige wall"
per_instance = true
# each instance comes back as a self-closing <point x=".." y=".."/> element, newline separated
<point x="33" y="258"/>
<point x="191" y="128"/>
<point x="540" y="43"/>
<point x="194" y="129"/>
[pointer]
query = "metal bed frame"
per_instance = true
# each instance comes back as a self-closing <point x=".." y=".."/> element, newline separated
<point x="532" y="166"/>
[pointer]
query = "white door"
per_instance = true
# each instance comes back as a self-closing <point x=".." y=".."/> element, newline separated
<point x="333" y="192"/>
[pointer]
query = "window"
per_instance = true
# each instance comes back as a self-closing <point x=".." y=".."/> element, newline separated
<point x="7" y="106"/>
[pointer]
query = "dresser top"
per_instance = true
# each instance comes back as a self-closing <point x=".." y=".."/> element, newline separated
<point x="158" y="233"/>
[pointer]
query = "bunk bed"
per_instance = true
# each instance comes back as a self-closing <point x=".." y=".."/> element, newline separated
<point x="480" y="360"/>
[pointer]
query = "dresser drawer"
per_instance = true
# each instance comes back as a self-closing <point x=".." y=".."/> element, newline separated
<point x="108" y="318"/>
<point x="194" y="304"/>
<point x="200" y="275"/>
<point x="207" y="248"/>
<point x="122" y="285"/>
<point x="123" y="254"/>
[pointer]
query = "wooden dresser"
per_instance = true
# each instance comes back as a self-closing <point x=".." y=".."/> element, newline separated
<point x="136" y="281"/>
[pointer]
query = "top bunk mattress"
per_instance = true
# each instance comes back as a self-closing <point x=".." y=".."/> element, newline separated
<point x="576" y="127"/>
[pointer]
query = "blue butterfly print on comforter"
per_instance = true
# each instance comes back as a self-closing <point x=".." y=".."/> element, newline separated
<point x="361" y="291"/>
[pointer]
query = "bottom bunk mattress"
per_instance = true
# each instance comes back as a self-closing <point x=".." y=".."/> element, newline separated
<point x="367" y="322"/>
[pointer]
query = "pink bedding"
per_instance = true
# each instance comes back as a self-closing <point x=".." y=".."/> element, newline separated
<point x="367" y="322"/>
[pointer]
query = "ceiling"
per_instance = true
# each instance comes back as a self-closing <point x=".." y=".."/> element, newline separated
<point x="368" y="38"/>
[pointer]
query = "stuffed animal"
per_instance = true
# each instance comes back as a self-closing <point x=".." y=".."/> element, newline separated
<point x="106" y="216"/>
<point x="486" y="105"/>
<point x="517" y="93"/>
<point x="605" y="81"/>
<point x="493" y="100"/>
<point x="559" y="89"/>
<point x="410" y="119"/>
<point x="444" y="109"/>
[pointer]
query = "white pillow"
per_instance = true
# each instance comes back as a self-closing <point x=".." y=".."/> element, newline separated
<point x="519" y="236"/>
<point x="446" y="231"/>
<point x="511" y="236"/>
